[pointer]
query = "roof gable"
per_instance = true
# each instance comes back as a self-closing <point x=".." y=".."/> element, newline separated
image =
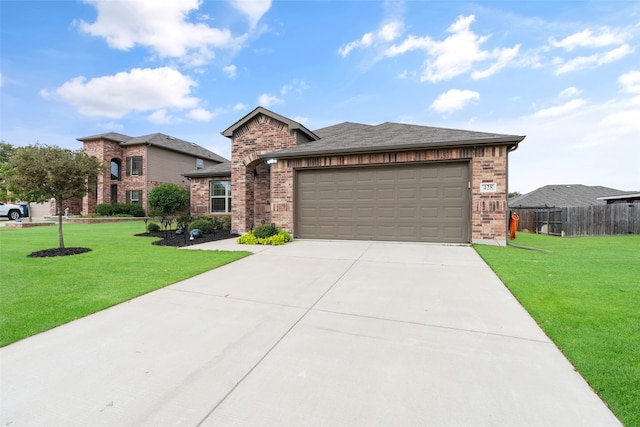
<point x="293" y="125"/>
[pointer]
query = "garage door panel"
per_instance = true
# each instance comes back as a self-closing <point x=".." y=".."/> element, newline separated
<point x="453" y="213"/>
<point x="420" y="202"/>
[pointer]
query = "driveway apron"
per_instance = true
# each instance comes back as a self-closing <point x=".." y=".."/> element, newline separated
<point x="313" y="333"/>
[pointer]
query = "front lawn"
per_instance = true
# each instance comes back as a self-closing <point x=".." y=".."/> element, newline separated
<point x="586" y="297"/>
<point x="37" y="294"/>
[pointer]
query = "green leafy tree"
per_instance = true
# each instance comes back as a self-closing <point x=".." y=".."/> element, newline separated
<point x="168" y="199"/>
<point x="41" y="172"/>
<point x="6" y="153"/>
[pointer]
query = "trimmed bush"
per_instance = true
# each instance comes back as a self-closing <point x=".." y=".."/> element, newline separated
<point x="153" y="227"/>
<point x="203" y="224"/>
<point x="120" y="209"/>
<point x="264" y="231"/>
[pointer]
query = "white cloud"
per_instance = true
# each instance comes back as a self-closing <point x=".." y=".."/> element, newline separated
<point x="587" y="38"/>
<point x="630" y="82"/>
<point x="570" y="92"/>
<point x="297" y="86"/>
<point x="456" y="54"/>
<point x="200" y="114"/>
<point x="136" y="91"/>
<point x="453" y="100"/>
<point x="160" y="117"/>
<point x="592" y="61"/>
<point x="504" y="58"/>
<point x="386" y="34"/>
<point x="559" y="110"/>
<point x="160" y="26"/>
<point x="252" y="9"/>
<point x="230" y="71"/>
<point x="239" y="106"/>
<point x="267" y="100"/>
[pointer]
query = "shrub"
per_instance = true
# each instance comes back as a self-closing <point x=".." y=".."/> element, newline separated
<point x="168" y="198"/>
<point x="153" y="227"/>
<point x="223" y="222"/>
<point x="203" y="224"/>
<point x="280" y="238"/>
<point x="264" y="231"/>
<point x="120" y="209"/>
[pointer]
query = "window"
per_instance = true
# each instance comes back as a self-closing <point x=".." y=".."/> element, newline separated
<point x="114" y="193"/>
<point x="134" y="165"/>
<point x="115" y="170"/>
<point x="135" y="197"/>
<point x="221" y="196"/>
<point x="199" y="164"/>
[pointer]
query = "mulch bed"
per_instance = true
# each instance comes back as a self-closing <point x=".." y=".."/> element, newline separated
<point x="48" y="253"/>
<point x="169" y="238"/>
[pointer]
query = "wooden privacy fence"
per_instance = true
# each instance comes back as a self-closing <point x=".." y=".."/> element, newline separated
<point x="600" y="220"/>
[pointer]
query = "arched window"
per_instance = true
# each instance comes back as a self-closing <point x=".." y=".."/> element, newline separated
<point x="116" y="167"/>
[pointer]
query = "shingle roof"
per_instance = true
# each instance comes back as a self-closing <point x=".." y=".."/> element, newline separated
<point x="111" y="136"/>
<point x="563" y="196"/>
<point x="175" y="144"/>
<point x="160" y="140"/>
<point x="220" y="170"/>
<point x="358" y="138"/>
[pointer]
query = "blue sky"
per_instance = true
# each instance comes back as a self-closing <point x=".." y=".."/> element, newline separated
<point x="564" y="73"/>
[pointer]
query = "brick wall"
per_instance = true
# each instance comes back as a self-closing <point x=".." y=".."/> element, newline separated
<point x="250" y="183"/>
<point x="488" y="165"/>
<point x="101" y="193"/>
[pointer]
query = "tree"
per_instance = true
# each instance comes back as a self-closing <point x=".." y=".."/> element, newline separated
<point x="41" y="172"/>
<point x="168" y="198"/>
<point x="6" y="153"/>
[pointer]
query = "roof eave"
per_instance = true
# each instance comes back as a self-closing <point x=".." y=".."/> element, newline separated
<point x="511" y="143"/>
<point x="200" y="174"/>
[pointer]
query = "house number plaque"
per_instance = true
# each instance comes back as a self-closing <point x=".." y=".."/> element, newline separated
<point x="488" y="187"/>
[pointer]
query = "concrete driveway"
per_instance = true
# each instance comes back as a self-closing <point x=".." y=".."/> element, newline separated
<point x="314" y="333"/>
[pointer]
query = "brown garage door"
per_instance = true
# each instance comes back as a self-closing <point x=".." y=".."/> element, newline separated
<point x="418" y="203"/>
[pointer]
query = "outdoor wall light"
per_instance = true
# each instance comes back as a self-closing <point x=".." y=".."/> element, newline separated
<point x="272" y="161"/>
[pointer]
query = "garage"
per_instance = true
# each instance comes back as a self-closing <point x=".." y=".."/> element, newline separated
<point x="425" y="202"/>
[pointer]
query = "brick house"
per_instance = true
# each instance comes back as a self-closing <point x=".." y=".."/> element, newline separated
<point x="137" y="164"/>
<point x="355" y="181"/>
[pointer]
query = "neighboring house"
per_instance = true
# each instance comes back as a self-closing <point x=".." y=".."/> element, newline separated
<point x="633" y="197"/>
<point x="355" y="181"/>
<point x="137" y="164"/>
<point x="561" y="196"/>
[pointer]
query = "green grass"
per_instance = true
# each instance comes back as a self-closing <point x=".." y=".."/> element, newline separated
<point x="586" y="297"/>
<point x="37" y="294"/>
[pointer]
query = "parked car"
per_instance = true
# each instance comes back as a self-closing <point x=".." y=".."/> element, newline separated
<point x="10" y="211"/>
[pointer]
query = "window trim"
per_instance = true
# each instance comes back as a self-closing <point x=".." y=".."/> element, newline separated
<point x="130" y="197"/>
<point x="130" y="162"/>
<point x="226" y="197"/>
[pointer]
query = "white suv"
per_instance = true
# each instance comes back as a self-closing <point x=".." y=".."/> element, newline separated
<point x="10" y="211"/>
